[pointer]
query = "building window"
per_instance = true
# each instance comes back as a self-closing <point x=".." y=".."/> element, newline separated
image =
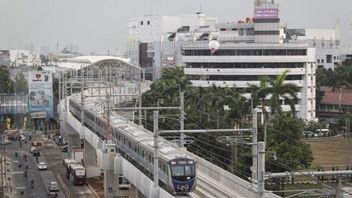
<point x="318" y="60"/>
<point x="322" y="60"/>
<point x="148" y="22"/>
<point x="141" y="22"/>
<point x="328" y="58"/>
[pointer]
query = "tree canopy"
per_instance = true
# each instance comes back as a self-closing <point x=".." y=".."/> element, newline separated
<point x="215" y="107"/>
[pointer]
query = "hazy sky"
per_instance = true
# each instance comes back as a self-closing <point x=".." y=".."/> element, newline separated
<point x="98" y="25"/>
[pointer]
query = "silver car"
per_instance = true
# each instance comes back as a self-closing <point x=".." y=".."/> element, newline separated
<point x="53" y="186"/>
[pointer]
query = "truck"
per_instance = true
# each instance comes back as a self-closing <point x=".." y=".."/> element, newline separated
<point x="77" y="154"/>
<point x="67" y="163"/>
<point x="77" y="174"/>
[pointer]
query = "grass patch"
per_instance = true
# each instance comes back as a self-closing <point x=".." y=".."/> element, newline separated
<point x="330" y="151"/>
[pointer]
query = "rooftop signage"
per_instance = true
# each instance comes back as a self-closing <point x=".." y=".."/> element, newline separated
<point x="266" y="13"/>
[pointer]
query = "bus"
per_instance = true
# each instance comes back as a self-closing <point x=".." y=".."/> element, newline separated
<point x="77" y="174"/>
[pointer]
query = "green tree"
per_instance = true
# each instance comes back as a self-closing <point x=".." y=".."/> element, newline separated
<point x="285" y="147"/>
<point x="287" y="91"/>
<point x="20" y="83"/>
<point x="6" y="85"/>
<point x="260" y="93"/>
<point x="278" y="89"/>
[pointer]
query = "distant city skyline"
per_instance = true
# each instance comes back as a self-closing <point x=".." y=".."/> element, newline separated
<point x="99" y="26"/>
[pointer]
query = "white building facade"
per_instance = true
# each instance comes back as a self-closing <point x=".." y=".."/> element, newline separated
<point x="146" y="32"/>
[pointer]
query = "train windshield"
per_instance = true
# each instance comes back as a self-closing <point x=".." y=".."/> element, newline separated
<point x="182" y="170"/>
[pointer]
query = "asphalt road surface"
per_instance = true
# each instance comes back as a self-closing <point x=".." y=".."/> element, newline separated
<point x="52" y="156"/>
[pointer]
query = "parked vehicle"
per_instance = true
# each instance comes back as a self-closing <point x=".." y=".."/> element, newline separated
<point x="309" y="134"/>
<point x="322" y="132"/>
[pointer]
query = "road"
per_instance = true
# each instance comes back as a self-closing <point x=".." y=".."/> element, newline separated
<point x="20" y="183"/>
<point x="52" y="156"/>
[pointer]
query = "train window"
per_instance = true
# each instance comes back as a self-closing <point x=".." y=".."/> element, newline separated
<point x="143" y="154"/>
<point x="119" y="137"/>
<point x="129" y="144"/>
<point x="138" y="150"/>
<point x="124" y="141"/>
<point x="182" y="170"/>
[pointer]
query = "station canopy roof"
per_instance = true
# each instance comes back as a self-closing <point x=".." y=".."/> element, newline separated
<point x="80" y="62"/>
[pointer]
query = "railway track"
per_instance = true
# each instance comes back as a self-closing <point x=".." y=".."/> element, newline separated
<point x="207" y="187"/>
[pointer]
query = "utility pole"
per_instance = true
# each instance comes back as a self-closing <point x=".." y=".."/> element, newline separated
<point x="155" y="190"/>
<point x="182" y="119"/>
<point x="254" y="146"/>
<point x="261" y="169"/>
<point x="140" y="103"/>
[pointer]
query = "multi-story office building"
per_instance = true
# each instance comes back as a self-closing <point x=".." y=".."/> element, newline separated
<point x="257" y="46"/>
<point x="147" y="32"/>
<point x="325" y="41"/>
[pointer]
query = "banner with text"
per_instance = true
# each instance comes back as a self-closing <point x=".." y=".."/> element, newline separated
<point x="266" y="13"/>
<point x="40" y="95"/>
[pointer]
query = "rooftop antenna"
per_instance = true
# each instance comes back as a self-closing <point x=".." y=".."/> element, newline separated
<point x="200" y="9"/>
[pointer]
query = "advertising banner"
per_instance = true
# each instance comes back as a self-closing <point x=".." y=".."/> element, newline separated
<point x="266" y="13"/>
<point x="40" y="95"/>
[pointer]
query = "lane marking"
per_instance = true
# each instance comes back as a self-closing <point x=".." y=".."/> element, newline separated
<point x="17" y="172"/>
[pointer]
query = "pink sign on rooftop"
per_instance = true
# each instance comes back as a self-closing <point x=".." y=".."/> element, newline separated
<point x="266" y="13"/>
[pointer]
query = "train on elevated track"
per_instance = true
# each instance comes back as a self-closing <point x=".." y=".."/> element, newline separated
<point x="177" y="171"/>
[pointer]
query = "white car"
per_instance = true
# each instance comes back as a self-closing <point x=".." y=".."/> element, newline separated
<point x="42" y="166"/>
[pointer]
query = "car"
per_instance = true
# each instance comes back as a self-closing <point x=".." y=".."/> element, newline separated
<point x="309" y="134"/>
<point x="53" y="186"/>
<point x="36" y="153"/>
<point x="42" y="166"/>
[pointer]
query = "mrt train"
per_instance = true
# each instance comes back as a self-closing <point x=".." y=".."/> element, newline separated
<point x="177" y="171"/>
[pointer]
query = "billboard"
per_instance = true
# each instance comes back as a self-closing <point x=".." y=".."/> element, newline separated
<point x="40" y="103"/>
<point x="266" y="13"/>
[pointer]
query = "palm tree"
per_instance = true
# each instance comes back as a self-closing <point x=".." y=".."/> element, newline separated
<point x="20" y="84"/>
<point x="6" y="85"/>
<point x="277" y="89"/>
<point x="287" y="91"/>
<point x="259" y="95"/>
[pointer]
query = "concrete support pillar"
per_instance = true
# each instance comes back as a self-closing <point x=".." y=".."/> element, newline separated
<point x="73" y="141"/>
<point x="110" y="184"/>
<point x="89" y="154"/>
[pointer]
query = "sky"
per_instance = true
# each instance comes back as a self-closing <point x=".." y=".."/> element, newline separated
<point x="99" y="25"/>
